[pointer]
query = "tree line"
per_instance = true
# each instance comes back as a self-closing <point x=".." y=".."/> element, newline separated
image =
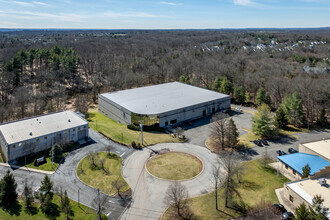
<point x="42" y="72"/>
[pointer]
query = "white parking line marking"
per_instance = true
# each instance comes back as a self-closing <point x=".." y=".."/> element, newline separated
<point x="109" y="213"/>
<point x="122" y="154"/>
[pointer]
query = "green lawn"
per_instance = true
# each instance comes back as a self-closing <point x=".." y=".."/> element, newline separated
<point x="46" y="166"/>
<point x="258" y="185"/>
<point x="19" y="213"/>
<point x="120" y="133"/>
<point x="97" y="178"/>
<point x="175" y="166"/>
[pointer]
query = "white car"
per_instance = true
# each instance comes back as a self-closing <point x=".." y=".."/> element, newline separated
<point x="238" y="109"/>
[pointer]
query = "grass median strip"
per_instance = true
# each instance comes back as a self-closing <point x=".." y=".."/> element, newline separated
<point x="102" y="171"/>
<point x="175" y="166"/>
<point x="120" y="133"/>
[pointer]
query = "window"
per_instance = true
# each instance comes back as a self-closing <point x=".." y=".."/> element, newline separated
<point x="20" y="144"/>
<point x="37" y="140"/>
<point x="79" y="129"/>
<point x="64" y="132"/>
<point x="204" y="112"/>
<point x="166" y="123"/>
<point x="26" y="142"/>
<point x="286" y="167"/>
<point x="290" y="198"/>
<point x="13" y="146"/>
<point x="294" y="172"/>
<point x="45" y="137"/>
<point x="74" y="129"/>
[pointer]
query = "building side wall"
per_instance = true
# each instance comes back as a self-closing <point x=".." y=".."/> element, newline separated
<point x="296" y="199"/>
<point x="287" y="169"/>
<point x="323" y="172"/>
<point x="306" y="150"/>
<point x="114" y="111"/>
<point x="45" y="142"/>
<point x="3" y="144"/>
<point x="193" y="112"/>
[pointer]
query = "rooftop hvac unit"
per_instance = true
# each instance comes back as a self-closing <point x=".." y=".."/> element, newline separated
<point x="322" y="181"/>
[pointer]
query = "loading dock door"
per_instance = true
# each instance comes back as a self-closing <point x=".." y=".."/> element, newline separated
<point x="81" y="134"/>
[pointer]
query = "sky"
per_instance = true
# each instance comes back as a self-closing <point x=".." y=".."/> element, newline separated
<point x="164" y="14"/>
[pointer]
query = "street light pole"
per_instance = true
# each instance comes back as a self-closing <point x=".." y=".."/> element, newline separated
<point x="78" y="197"/>
<point x="141" y="126"/>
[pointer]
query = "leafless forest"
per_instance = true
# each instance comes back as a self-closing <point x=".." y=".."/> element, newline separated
<point x="45" y="71"/>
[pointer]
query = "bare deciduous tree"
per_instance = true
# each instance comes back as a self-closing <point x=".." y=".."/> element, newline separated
<point x="218" y="129"/>
<point x="230" y="161"/>
<point x="118" y="184"/>
<point x="177" y="197"/>
<point x="216" y="179"/>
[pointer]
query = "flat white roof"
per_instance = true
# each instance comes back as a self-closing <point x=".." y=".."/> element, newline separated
<point x="25" y="129"/>
<point x="157" y="99"/>
<point x="308" y="188"/>
<point x="320" y="147"/>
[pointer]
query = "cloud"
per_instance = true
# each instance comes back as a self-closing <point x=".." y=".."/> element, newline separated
<point x="20" y="3"/>
<point x="40" y="3"/>
<point x="170" y="3"/>
<point x="129" y="14"/>
<point x="40" y="15"/>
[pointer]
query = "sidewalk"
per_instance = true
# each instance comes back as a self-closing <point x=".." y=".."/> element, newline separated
<point x="286" y="203"/>
<point x="27" y="169"/>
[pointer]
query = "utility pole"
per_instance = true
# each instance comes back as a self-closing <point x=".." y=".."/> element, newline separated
<point x="52" y="156"/>
<point x="141" y="126"/>
<point x="78" y="197"/>
<point x="277" y="167"/>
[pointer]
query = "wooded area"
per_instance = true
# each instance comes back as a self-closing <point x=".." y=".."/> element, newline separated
<point x="45" y="71"/>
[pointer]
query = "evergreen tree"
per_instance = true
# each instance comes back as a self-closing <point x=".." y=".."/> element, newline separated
<point x="306" y="171"/>
<point x="247" y="97"/>
<point x="262" y="97"/>
<point x="232" y="134"/>
<point x="46" y="187"/>
<point x="281" y="120"/>
<point x="46" y="203"/>
<point x="262" y="121"/>
<point x="27" y="196"/>
<point x="239" y="94"/>
<point x="217" y="83"/>
<point x="302" y="212"/>
<point x="292" y="106"/>
<point x="8" y="194"/>
<point x="65" y="205"/>
<point x="226" y="86"/>
<point x="322" y="120"/>
<point x="318" y="211"/>
<point x="184" y="79"/>
<point x="58" y="152"/>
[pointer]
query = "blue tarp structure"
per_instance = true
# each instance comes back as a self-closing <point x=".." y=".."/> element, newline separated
<point x="298" y="160"/>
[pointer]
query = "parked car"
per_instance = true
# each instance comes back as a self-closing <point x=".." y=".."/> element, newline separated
<point x="287" y="215"/>
<point x="264" y="142"/>
<point x="278" y="209"/>
<point x="280" y="153"/>
<point x="238" y="109"/>
<point x="257" y="142"/>
<point x="292" y="151"/>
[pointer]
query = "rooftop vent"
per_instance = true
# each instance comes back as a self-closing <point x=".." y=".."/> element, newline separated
<point x="37" y="119"/>
<point x="30" y="133"/>
<point x="69" y="120"/>
<point x="322" y="181"/>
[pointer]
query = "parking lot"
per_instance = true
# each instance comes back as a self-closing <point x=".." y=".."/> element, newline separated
<point x="199" y="132"/>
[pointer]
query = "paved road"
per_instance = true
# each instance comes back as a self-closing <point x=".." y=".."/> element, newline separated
<point x="65" y="176"/>
<point x="149" y="192"/>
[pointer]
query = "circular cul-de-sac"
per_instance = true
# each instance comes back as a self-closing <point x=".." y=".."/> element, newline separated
<point x="174" y="166"/>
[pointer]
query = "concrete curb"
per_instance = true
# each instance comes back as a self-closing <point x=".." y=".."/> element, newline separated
<point x="27" y="169"/>
<point x="150" y="158"/>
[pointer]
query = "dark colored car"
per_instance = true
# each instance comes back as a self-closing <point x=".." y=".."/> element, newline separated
<point x="280" y="153"/>
<point x="264" y="142"/>
<point x="257" y="142"/>
<point x="287" y="215"/>
<point x="292" y="151"/>
<point x="278" y="209"/>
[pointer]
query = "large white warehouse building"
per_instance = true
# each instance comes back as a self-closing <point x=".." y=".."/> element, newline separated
<point x="164" y="105"/>
<point x="31" y="135"/>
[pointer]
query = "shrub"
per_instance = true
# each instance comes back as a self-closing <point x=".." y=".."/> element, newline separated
<point x="133" y="144"/>
<point x="133" y="127"/>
